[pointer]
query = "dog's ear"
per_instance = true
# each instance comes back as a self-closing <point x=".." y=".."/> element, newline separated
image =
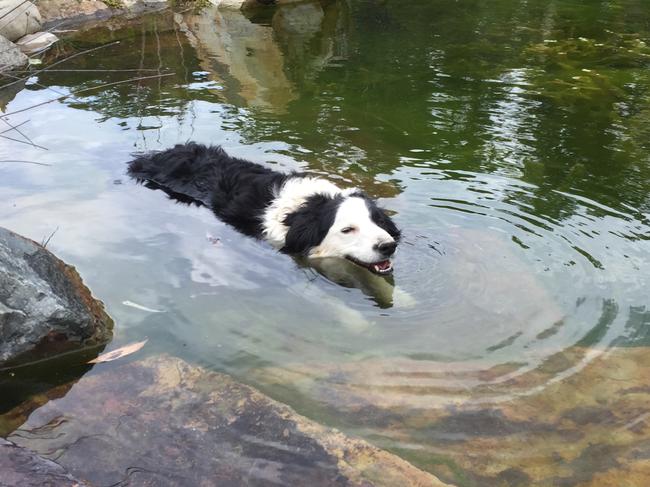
<point x="309" y="225"/>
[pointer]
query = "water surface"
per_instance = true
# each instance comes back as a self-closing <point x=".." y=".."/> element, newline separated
<point x="510" y="141"/>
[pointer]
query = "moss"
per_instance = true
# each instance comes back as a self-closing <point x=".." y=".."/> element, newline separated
<point x="580" y="69"/>
<point x="194" y="4"/>
<point x="114" y="4"/>
<point x="617" y="51"/>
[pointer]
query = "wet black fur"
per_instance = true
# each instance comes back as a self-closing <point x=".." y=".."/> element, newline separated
<point x="238" y="192"/>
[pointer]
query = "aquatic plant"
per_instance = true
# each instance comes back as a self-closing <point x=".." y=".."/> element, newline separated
<point x="579" y="68"/>
<point x="114" y="4"/>
<point x="617" y="51"/>
<point x="195" y="5"/>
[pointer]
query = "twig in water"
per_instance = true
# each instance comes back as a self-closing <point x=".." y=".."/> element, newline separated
<point x="27" y="162"/>
<point x="34" y="83"/>
<point x="44" y="244"/>
<point x="59" y="62"/>
<point x="75" y="93"/>
<point x="160" y="64"/>
<point x="13" y="127"/>
<point x="138" y="90"/>
<point x="24" y="142"/>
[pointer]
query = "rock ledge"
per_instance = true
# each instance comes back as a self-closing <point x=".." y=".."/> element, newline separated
<point x="161" y="421"/>
<point x="45" y="309"/>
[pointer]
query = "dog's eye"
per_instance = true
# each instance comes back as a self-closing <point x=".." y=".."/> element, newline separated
<point x="347" y="230"/>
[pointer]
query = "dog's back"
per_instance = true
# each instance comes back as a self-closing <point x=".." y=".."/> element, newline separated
<point x="235" y="189"/>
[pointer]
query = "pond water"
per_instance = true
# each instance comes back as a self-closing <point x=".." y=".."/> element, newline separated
<point x="509" y="139"/>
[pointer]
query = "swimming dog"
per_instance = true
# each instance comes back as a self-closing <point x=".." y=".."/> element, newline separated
<point x="296" y="213"/>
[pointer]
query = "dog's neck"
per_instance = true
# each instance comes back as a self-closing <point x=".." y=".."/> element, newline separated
<point x="289" y="198"/>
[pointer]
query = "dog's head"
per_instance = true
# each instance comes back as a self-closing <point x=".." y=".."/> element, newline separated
<point x="349" y="226"/>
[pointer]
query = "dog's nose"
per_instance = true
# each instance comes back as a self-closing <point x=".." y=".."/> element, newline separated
<point x="386" y="248"/>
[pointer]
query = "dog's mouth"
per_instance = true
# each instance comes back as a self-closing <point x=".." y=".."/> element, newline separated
<point x="382" y="267"/>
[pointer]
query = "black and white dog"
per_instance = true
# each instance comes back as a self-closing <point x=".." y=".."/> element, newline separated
<point x="296" y="213"/>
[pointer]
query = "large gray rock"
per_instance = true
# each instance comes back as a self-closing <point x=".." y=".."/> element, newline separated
<point x="44" y="307"/>
<point x="72" y="11"/>
<point x="79" y="12"/>
<point x="142" y="5"/>
<point x="19" y="18"/>
<point x="10" y="55"/>
<point x="21" y="467"/>
<point x="163" y="422"/>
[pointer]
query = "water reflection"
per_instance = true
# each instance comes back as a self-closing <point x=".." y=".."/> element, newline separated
<point x="518" y="315"/>
<point x="261" y="57"/>
<point x="27" y="387"/>
<point x="344" y="273"/>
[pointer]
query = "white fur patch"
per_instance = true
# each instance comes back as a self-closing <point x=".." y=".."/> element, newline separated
<point x="289" y="198"/>
<point x="358" y="243"/>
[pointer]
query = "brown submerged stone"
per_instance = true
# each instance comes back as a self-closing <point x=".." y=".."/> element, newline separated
<point x="590" y="427"/>
<point x="21" y="467"/>
<point x="164" y="422"/>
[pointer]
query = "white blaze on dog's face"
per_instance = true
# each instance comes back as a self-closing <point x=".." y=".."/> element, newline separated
<point x="356" y="236"/>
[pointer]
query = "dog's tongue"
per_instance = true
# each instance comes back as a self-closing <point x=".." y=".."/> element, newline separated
<point x="382" y="266"/>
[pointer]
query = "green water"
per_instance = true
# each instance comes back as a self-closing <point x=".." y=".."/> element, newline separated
<point x="510" y="139"/>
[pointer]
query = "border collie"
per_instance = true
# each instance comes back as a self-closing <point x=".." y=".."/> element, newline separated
<point x="296" y="213"/>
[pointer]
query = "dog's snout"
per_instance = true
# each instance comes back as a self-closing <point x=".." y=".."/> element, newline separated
<point x="386" y="248"/>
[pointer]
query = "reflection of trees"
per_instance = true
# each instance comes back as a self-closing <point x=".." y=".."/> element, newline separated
<point x="461" y="83"/>
<point x="265" y="56"/>
<point x="489" y="87"/>
<point x="146" y="47"/>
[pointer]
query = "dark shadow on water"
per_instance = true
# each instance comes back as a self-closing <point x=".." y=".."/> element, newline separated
<point x="26" y="387"/>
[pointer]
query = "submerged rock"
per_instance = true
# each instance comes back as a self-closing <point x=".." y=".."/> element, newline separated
<point x="45" y="308"/>
<point x="10" y="55"/>
<point x="589" y="426"/>
<point x="19" y="18"/>
<point x="26" y="469"/>
<point x="33" y="43"/>
<point x="161" y="421"/>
